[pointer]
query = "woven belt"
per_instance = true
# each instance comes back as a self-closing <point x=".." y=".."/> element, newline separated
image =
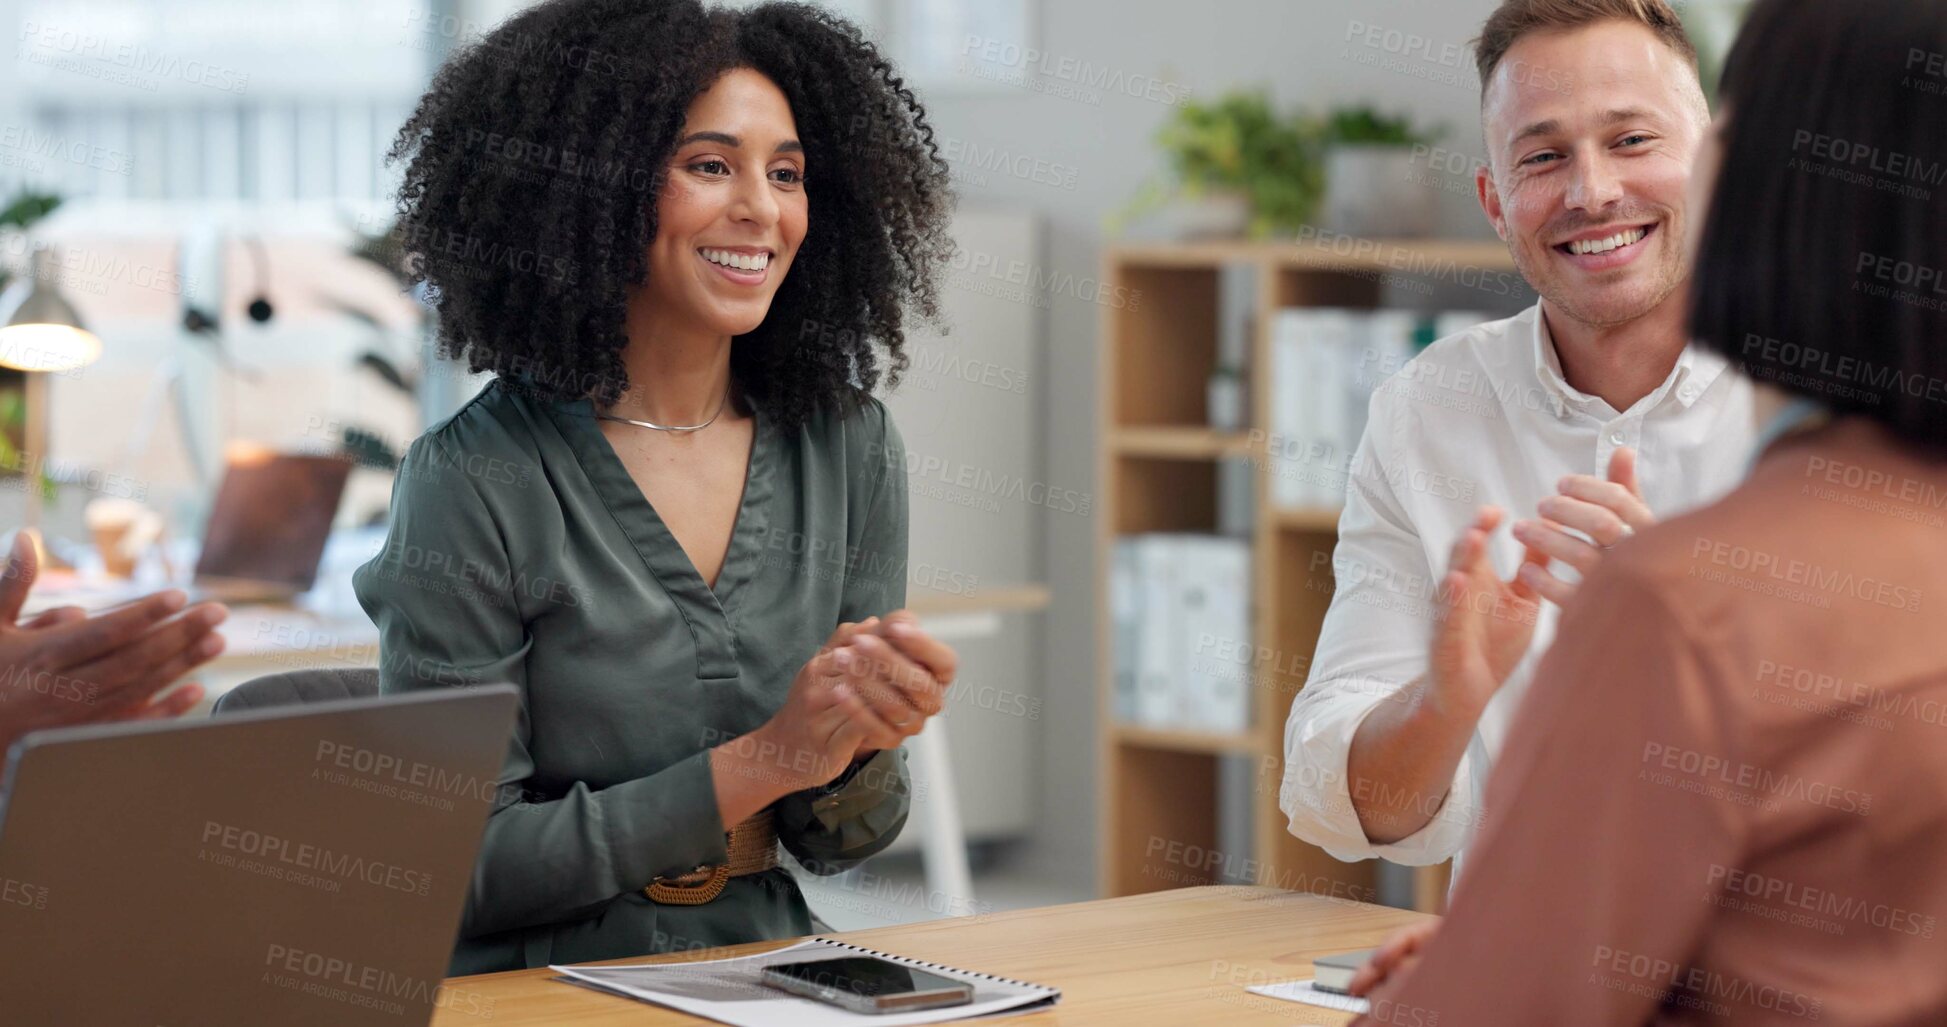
<point x="753" y="850"/>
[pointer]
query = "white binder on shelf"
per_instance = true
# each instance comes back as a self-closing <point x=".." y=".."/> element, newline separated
<point x="1156" y="661"/>
<point x="1287" y="405"/>
<point x="1210" y="618"/>
<point x="1125" y="606"/>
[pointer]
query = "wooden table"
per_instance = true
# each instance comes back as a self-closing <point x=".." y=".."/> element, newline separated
<point x="1172" y="957"/>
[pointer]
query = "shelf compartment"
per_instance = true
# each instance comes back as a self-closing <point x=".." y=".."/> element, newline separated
<point x="1214" y="743"/>
<point x="1170" y="443"/>
<point x="1165" y="347"/>
<point x="1160" y="494"/>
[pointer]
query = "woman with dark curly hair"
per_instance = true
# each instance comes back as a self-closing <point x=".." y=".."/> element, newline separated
<point x="676" y="520"/>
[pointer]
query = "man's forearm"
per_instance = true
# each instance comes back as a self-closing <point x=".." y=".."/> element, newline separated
<point x="1402" y="761"/>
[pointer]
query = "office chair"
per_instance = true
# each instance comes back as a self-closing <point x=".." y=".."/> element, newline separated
<point x="320" y="684"/>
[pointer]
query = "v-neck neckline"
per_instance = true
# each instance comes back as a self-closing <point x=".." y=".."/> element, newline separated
<point x="708" y="610"/>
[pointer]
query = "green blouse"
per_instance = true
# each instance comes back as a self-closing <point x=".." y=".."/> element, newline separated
<point x="521" y="551"/>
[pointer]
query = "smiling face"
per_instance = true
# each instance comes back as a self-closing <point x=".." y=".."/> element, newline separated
<point x="1590" y="168"/>
<point x="732" y="210"/>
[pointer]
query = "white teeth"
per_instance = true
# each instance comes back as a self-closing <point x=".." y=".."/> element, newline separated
<point x="740" y="261"/>
<point x="1617" y="241"/>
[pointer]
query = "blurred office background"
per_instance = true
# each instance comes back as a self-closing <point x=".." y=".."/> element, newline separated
<point x="1146" y="188"/>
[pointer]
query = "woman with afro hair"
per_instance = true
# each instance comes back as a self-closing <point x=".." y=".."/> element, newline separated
<point x="686" y="242"/>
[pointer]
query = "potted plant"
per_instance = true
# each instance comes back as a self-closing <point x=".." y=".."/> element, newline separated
<point x="1236" y="167"/>
<point x="1371" y="189"/>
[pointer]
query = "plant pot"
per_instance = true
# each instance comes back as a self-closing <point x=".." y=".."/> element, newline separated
<point x="1213" y="215"/>
<point x="1371" y="191"/>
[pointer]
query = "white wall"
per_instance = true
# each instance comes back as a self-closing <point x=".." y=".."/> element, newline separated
<point x="1311" y="52"/>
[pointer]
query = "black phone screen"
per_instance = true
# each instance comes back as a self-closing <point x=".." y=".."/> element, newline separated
<point x="864" y="975"/>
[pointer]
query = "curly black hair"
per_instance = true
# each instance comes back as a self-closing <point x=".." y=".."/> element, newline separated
<point x="529" y="199"/>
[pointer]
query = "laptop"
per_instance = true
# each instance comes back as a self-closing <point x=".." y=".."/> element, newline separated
<point x="265" y="536"/>
<point x="297" y="865"/>
<point x="268" y="525"/>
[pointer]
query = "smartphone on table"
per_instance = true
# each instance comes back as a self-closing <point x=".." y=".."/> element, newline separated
<point x="864" y="984"/>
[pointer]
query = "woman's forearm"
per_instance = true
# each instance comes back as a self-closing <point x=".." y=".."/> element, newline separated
<point x="752" y="771"/>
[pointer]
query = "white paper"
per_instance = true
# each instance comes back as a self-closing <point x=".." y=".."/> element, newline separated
<point x="730" y="990"/>
<point x="1302" y="991"/>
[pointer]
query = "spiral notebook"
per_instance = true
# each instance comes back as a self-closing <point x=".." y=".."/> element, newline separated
<point x="731" y="990"/>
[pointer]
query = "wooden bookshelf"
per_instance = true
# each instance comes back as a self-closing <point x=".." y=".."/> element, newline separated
<point x="1159" y="473"/>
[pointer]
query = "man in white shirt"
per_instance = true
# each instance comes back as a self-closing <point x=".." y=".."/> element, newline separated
<point x="1587" y="416"/>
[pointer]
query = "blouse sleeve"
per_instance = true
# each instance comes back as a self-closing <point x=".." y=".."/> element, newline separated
<point x="438" y="592"/>
<point x="1580" y="903"/>
<point x="833" y="828"/>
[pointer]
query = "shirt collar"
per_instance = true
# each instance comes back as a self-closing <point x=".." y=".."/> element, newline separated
<point x="1697" y="368"/>
<point x="1548" y="365"/>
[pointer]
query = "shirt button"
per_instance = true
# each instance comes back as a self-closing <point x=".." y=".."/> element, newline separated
<point x="1688" y="393"/>
<point x="1616" y="438"/>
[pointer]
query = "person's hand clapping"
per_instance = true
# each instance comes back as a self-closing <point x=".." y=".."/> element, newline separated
<point x="901" y="673"/>
<point x="872" y="685"/>
<point x="64" y="667"/>
<point x="1605" y="511"/>
<point x="1485" y="623"/>
<point x="821" y="724"/>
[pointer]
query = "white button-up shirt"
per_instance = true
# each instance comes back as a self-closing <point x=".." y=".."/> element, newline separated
<point x="1480" y="418"/>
